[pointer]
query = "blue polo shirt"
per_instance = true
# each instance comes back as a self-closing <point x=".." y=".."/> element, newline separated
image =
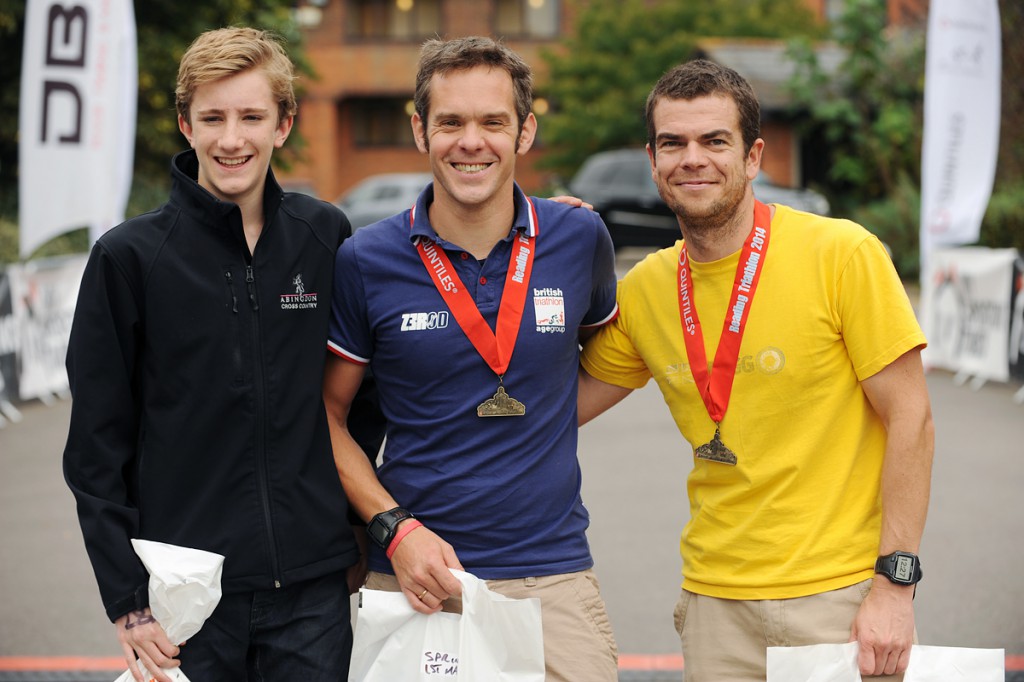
<point x="504" y="491"/>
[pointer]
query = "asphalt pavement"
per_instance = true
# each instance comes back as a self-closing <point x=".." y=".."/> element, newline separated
<point x="635" y="465"/>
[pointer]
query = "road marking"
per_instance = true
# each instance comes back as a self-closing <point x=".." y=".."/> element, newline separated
<point x="43" y="663"/>
<point x="664" y="662"/>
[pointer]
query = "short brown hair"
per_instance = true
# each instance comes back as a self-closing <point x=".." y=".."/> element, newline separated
<point x="445" y="56"/>
<point x="703" y="78"/>
<point x="225" y="52"/>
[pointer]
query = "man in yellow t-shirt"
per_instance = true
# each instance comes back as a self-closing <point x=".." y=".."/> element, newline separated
<point x="789" y="356"/>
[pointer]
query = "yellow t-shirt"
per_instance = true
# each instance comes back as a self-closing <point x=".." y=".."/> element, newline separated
<point x="800" y="512"/>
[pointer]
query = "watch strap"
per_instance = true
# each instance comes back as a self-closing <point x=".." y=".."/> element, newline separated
<point x="383" y="526"/>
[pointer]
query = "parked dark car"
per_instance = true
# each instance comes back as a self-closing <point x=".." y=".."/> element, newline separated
<point x="618" y="183"/>
<point x="381" y="196"/>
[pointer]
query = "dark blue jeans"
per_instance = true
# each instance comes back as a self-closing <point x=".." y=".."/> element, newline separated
<point x="300" y="632"/>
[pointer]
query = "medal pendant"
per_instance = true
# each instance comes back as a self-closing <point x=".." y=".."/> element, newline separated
<point x="715" y="451"/>
<point x="501" y="405"/>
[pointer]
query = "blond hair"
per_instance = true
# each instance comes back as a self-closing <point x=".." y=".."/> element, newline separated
<point x="225" y="52"/>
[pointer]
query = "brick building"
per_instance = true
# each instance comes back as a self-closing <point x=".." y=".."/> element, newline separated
<point x="355" y="117"/>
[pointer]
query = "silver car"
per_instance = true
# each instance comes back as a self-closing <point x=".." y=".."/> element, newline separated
<point x="381" y="196"/>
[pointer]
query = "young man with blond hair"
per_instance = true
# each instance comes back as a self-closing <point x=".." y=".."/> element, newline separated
<point x="195" y="363"/>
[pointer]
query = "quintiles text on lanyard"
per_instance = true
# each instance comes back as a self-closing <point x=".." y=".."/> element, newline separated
<point x="715" y="385"/>
<point x="494" y="347"/>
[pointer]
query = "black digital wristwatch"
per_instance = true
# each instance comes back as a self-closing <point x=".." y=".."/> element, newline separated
<point x="383" y="526"/>
<point x="901" y="568"/>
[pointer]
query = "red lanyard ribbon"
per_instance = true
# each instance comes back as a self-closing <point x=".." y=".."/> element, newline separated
<point x="494" y="347"/>
<point x="715" y="386"/>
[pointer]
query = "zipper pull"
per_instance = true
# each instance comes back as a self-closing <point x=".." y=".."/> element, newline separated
<point x="231" y="288"/>
<point x="251" y="284"/>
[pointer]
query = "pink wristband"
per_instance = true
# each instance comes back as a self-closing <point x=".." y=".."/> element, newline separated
<point x="407" y="527"/>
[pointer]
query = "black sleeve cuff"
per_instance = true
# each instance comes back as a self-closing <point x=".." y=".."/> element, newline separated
<point x="136" y="601"/>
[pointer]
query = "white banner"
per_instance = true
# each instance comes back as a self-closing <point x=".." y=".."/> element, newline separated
<point x="77" y="117"/>
<point x="965" y="310"/>
<point x="961" y="120"/>
<point x="44" y="294"/>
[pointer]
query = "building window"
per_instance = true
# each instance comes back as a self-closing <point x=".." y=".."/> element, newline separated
<point x="380" y="122"/>
<point x="393" y="19"/>
<point x="526" y="18"/>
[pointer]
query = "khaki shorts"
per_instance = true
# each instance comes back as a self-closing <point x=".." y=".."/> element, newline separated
<point x="578" y="640"/>
<point x="726" y="639"/>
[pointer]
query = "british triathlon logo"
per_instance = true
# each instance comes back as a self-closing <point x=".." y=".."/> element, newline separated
<point x="300" y="300"/>
<point x="419" y="322"/>
<point x="549" y="309"/>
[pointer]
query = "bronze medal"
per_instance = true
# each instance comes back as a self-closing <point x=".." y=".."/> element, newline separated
<point x="501" y="405"/>
<point x="716" y="451"/>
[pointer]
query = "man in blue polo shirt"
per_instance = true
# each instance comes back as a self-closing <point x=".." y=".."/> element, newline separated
<point x="469" y="309"/>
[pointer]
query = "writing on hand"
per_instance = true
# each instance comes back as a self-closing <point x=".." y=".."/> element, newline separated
<point x="142" y="617"/>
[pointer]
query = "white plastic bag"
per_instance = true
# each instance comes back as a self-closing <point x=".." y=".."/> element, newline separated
<point x="815" y="663"/>
<point x="953" y="664"/>
<point x="496" y="639"/>
<point x="184" y="589"/>
<point x="838" y="663"/>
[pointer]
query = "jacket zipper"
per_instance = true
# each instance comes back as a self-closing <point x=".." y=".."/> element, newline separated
<point x="236" y="355"/>
<point x="262" y="466"/>
<point x="231" y="289"/>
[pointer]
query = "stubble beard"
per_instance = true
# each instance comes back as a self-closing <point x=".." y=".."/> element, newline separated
<point x="705" y="222"/>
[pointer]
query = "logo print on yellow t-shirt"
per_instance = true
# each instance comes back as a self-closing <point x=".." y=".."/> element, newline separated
<point x="771" y="360"/>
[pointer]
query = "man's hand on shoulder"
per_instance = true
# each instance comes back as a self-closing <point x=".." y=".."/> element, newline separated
<point x="422" y="561"/>
<point x="572" y="201"/>
<point x="142" y="639"/>
<point x="884" y="627"/>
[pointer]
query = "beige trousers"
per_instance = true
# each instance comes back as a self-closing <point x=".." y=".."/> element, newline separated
<point x="725" y="640"/>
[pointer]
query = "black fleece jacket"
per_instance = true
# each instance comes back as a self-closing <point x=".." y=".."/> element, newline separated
<point x="196" y="374"/>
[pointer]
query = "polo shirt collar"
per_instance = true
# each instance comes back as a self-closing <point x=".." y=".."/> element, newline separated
<point x="523" y="220"/>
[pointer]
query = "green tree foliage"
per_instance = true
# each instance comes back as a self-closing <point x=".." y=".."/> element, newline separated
<point x="12" y="19"/>
<point x="1011" y="148"/>
<point x="165" y="29"/>
<point x="867" y="117"/>
<point x="601" y="75"/>
<point x="867" y="120"/>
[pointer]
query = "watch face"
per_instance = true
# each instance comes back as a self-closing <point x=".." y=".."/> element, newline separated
<point x="904" y="569"/>
<point x="377" y="531"/>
